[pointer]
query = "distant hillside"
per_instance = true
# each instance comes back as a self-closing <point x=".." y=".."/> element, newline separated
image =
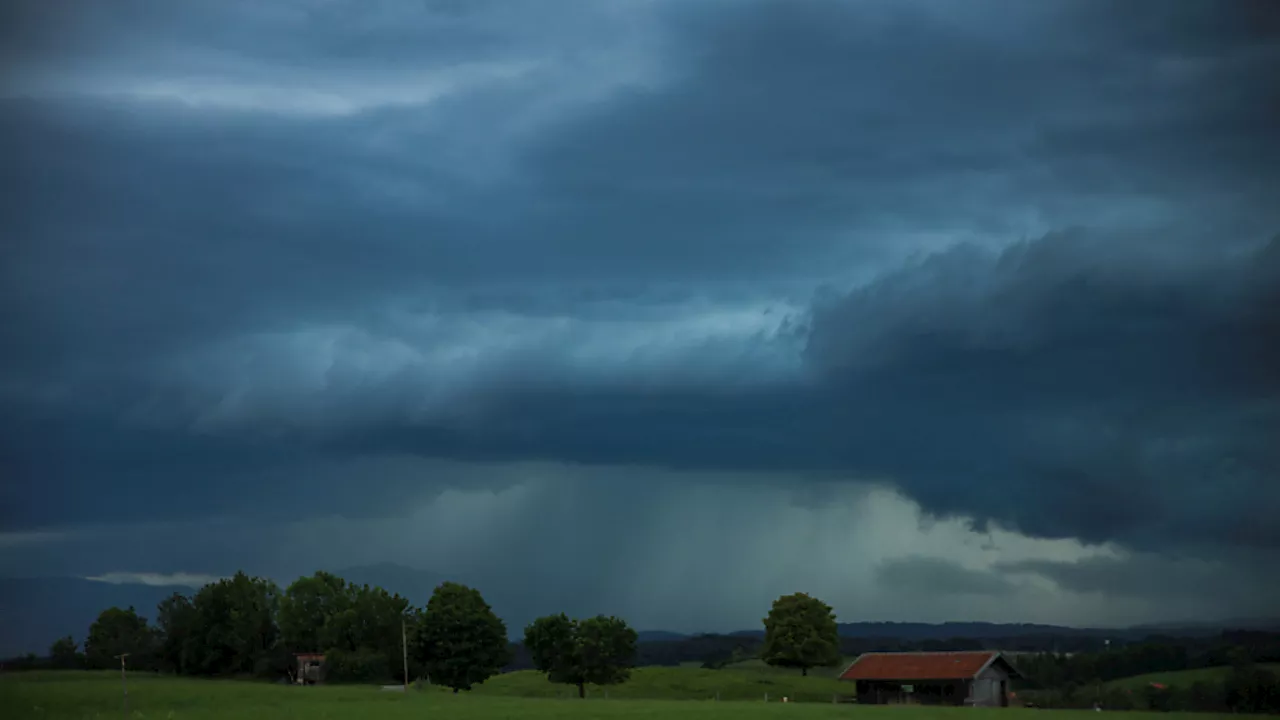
<point x="948" y="630"/>
<point x="660" y="636"/>
<point x="1213" y="626"/>
<point x="916" y="632"/>
<point x="1178" y="678"/>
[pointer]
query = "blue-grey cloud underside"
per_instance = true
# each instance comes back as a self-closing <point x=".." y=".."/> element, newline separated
<point x="1117" y="382"/>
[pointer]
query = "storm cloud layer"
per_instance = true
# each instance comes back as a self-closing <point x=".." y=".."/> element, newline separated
<point x="1017" y="264"/>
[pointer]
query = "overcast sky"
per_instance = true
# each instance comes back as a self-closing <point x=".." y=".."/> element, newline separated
<point x="663" y="308"/>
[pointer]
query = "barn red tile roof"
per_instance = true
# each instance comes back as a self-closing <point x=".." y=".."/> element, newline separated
<point x="918" y="666"/>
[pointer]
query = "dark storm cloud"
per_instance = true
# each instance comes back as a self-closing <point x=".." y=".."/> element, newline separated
<point x="1112" y="384"/>
<point x="1066" y="390"/>
<point x="1245" y="585"/>
<point x="935" y="576"/>
<point x="1073" y="391"/>
<point x="1058" y="387"/>
<point x="833" y="126"/>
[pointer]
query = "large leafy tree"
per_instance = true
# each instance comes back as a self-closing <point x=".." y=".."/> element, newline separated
<point x="599" y="650"/>
<point x="370" y="625"/>
<point x="307" y="609"/>
<point x="175" y="620"/>
<point x="384" y="615"/>
<point x="371" y="619"/>
<point x="608" y="648"/>
<point x="357" y="626"/>
<point x="552" y="642"/>
<point x="116" y="632"/>
<point x="801" y="632"/>
<point x="235" y="626"/>
<point x="459" y="640"/>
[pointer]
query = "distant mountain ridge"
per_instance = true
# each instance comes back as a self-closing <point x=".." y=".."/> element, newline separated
<point x="916" y="632"/>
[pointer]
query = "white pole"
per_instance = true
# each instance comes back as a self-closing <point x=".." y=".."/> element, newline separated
<point x="124" y="684"/>
<point x="404" y="652"/>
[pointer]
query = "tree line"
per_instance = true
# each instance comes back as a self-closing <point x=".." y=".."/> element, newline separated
<point x="247" y="627"/>
<point x="1080" y="680"/>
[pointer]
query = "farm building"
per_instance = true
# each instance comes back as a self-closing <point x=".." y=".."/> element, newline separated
<point x="932" y="678"/>
<point x="309" y="668"/>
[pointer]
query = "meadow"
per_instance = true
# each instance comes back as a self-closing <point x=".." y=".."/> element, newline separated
<point x="1180" y="678"/>
<point x="69" y="695"/>
<point x="739" y="682"/>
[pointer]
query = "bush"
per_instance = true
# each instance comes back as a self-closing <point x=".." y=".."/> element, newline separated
<point x="1205" y="697"/>
<point x="1118" y="699"/>
<point x="1252" y="690"/>
<point x="359" y="666"/>
<point x="275" y="664"/>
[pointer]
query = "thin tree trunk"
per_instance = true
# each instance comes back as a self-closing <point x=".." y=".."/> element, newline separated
<point x="582" y="691"/>
<point x="804" y="672"/>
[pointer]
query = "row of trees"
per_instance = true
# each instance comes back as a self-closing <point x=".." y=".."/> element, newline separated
<point x="1080" y="680"/>
<point x="1153" y="655"/>
<point x="245" y="626"/>
<point x="1246" y="688"/>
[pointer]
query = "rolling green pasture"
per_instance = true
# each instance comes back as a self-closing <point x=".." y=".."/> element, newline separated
<point x="748" y="682"/>
<point x="1179" y="678"/>
<point x="89" y="695"/>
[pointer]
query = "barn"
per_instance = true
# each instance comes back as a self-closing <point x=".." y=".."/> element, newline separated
<point x="932" y="678"/>
<point x="309" y="669"/>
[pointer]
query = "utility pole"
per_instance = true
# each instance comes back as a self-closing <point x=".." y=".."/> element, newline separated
<point x="124" y="684"/>
<point x="404" y="650"/>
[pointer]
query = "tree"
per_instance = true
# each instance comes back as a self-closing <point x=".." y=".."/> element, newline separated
<point x="801" y="632"/>
<point x="235" y="626"/>
<point x="599" y="650"/>
<point x="1252" y="689"/>
<point x="175" y="620"/>
<point x="608" y="649"/>
<point x="459" y="640"/>
<point x="63" y="654"/>
<point x="348" y="623"/>
<point x="307" y="609"/>
<point x="370" y="623"/>
<point x="115" y="633"/>
<point x="553" y="647"/>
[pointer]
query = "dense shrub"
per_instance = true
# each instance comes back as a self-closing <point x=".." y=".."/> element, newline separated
<point x="356" y="666"/>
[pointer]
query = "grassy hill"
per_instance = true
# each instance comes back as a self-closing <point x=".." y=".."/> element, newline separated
<point x="68" y="695"/>
<point x="760" y="666"/>
<point x="746" y="681"/>
<point x="1177" y="678"/>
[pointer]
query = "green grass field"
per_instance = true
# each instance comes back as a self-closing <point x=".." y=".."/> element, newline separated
<point x="87" y="695"/>
<point x="743" y="682"/>
<point x="1178" y="678"/>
